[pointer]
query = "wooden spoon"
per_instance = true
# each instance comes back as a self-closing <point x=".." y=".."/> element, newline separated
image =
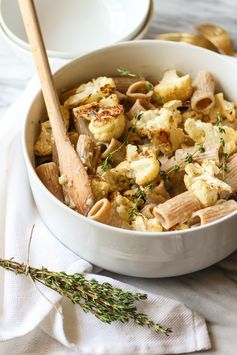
<point x="76" y="187"/>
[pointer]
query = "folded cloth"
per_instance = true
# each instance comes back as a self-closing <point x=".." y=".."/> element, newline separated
<point x="22" y="306"/>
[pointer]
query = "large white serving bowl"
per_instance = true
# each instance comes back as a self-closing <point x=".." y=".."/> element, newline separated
<point x="73" y="27"/>
<point x="143" y="254"/>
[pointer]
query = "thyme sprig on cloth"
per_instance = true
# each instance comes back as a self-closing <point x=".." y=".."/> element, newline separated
<point x="104" y="301"/>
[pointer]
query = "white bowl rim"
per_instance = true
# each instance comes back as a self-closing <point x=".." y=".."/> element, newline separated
<point x="25" y="46"/>
<point x="128" y="232"/>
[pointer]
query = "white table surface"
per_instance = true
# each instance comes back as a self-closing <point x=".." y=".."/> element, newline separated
<point x="212" y="292"/>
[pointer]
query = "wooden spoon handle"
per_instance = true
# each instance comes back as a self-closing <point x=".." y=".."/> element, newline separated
<point x="76" y="185"/>
<point x="33" y="31"/>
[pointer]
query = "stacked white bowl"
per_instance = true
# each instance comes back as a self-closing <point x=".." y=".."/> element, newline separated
<point x="74" y="27"/>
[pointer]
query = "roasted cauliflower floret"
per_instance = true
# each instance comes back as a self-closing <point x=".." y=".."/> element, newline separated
<point x="141" y="223"/>
<point x="92" y="91"/>
<point x="43" y="145"/>
<point x="209" y="135"/>
<point x="123" y="206"/>
<point x="90" y="110"/>
<point x="111" y="100"/>
<point x="225" y="108"/>
<point x="202" y="181"/>
<point x="161" y="127"/>
<point x="108" y="123"/>
<point x="142" y="167"/>
<point x="100" y="188"/>
<point x="173" y="87"/>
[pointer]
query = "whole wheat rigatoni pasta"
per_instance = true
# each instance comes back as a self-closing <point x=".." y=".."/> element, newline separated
<point x="231" y="173"/>
<point x="140" y="90"/>
<point x="176" y="210"/>
<point x="118" y="151"/>
<point x="203" y="97"/>
<point x="103" y="211"/>
<point x="209" y="214"/>
<point x="123" y="82"/>
<point x="210" y="152"/>
<point x="136" y="108"/>
<point x="49" y="175"/>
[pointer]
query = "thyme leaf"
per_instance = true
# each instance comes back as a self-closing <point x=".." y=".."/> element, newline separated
<point x="221" y="129"/>
<point x="109" y="158"/>
<point x="222" y="142"/>
<point x="164" y="175"/>
<point x="132" y="129"/>
<point x="140" y="196"/>
<point x="105" y="164"/>
<point x="150" y="186"/>
<point x="175" y="169"/>
<point x="127" y="72"/>
<point x="149" y="87"/>
<point x="188" y="158"/>
<point x="132" y="213"/>
<point x="138" y="116"/>
<point x="201" y="148"/>
<point x="219" y="119"/>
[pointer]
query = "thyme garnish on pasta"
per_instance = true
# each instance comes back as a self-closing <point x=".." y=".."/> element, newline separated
<point x="201" y="148"/>
<point x="105" y="302"/>
<point x="109" y="159"/>
<point x="189" y="158"/>
<point x="219" y="119"/>
<point x="150" y="87"/>
<point x="127" y="72"/>
<point x="176" y="168"/>
<point x="150" y="186"/>
<point x="140" y="196"/>
<point x="164" y="175"/>
<point x="138" y="116"/>
<point x="132" y="214"/>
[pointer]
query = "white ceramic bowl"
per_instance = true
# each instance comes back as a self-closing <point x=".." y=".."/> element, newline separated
<point x="24" y="52"/>
<point x="143" y="254"/>
<point x="73" y="27"/>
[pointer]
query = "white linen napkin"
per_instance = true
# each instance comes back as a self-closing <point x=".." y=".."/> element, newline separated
<point x="23" y="308"/>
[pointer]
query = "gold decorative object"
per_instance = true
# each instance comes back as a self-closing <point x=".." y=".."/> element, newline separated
<point x="218" y="36"/>
<point x="191" y="38"/>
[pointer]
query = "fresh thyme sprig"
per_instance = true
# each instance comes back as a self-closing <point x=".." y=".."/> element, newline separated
<point x="200" y="148"/>
<point x="132" y="214"/>
<point x="219" y="119"/>
<point x="107" y="303"/>
<point x="127" y="72"/>
<point x="140" y="196"/>
<point x="165" y="175"/>
<point x="150" y="87"/>
<point x="224" y="156"/>
<point x="137" y="117"/>
<point x="109" y="158"/>
<point x="150" y="186"/>
<point x="188" y="158"/>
